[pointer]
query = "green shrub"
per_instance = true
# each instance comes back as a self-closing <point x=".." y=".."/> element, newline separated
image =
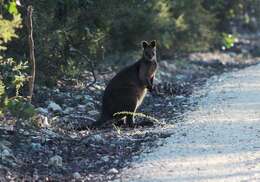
<point x="13" y="73"/>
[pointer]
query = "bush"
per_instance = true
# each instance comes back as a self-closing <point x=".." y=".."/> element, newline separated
<point x="13" y="73"/>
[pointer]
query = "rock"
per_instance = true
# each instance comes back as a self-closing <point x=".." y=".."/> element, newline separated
<point x="88" y="98"/>
<point x="116" y="161"/>
<point x="113" y="171"/>
<point x="6" y="155"/>
<point x="50" y="134"/>
<point x="93" y="112"/>
<point x="45" y="123"/>
<point x="81" y="108"/>
<point x="56" y="90"/>
<point x="36" y="146"/>
<point x="42" y="121"/>
<point x="105" y="158"/>
<point x="78" y="97"/>
<point x="76" y="175"/>
<point x="180" y="97"/>
<point x="42" y="110"/>
<point x="68" y="110"/>
<point x="90" y="105"/>
<point x="54" y="107"/>
<point x="55" y="161"/>
<point x="94" y="139"/>
<point x="98" y="138"/>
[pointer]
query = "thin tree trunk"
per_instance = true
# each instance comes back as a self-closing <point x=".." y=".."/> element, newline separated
<point x="31" y="49"/>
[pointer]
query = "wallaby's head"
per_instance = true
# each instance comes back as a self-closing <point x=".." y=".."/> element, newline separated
<point x="149" y="50"/>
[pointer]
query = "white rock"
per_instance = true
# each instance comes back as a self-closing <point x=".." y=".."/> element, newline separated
<point x="55" y="161"/>
<point x="68" y="110"/>
<point x="42" y="110"/>
<point x="105" y="158"/>
<point x="76" y="175"/>
<point x="113" y="171"/>
<point x="5" y="154"/>
<point x="87" y="97"/>
<point x="81" y="108"/>
<point x="45" y="123"/>
<point x="54" y="107"/>
<point x="42" y="121"/>
<point x="93" y="112"/>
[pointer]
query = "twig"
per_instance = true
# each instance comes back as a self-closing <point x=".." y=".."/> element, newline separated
<point x="91" y="66"/>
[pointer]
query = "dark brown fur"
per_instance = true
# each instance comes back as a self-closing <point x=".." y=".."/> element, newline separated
<point x="125" y="92"/>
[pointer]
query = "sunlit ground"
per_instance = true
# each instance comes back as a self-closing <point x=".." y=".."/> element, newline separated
<point x="219" y="141"/>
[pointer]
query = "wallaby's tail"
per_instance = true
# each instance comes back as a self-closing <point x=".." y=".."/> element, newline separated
<point x="100" y="121"/>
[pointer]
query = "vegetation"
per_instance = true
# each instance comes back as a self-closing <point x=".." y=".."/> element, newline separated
<point x="101" y="30"/>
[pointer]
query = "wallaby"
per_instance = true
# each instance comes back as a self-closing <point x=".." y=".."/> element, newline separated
<point x="126" y="91"/>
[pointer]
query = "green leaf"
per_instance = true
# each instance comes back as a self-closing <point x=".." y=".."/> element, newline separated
<point x="12" y="9"/>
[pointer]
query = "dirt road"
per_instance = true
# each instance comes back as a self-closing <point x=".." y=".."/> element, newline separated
<point x="219" y="139"/>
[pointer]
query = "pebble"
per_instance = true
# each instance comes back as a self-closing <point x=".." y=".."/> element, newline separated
<point x="105" y="158"/>
<point x="113" y="171"/>
<point x="68" y="110"/>
<point x="93" y="112"/>
<point x="81" y="108"/>
<point x="54" y="107"/>
<point x="36" y="146"/>
<point x="42" y="110"/>
<point x="76" y="175"/>
<point x="55" y="161"/>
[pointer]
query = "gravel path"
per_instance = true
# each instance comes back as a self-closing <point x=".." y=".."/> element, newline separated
<point x="218" y="141"/>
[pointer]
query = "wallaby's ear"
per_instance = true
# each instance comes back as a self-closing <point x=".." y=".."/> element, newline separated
<point x="153" y="43"/>
<point x="144" y="44"/>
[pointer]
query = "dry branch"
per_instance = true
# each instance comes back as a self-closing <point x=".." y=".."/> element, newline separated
<point x="31" y="51"/>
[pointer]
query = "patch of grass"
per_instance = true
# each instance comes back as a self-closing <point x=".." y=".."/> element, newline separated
<point x="138" y="115"/>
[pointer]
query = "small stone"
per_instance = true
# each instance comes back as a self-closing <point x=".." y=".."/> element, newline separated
<point x="56" y="90"/>
<point x="90" y="105"/>
<point x="54" y="107"/>
<point x="5" y="154"/>
<point x="7" y="157"/>
<point x="96" y="139"/>
<point x="116" y="161"/>
<point x="76" y="175"/>
<point x="105" y="158"/>
<point x="68" y="110"/>
<point x="81" y="108"/>
<point x="42" y="121"/>
<point x="113" y="171"/>
<point x="88" y="98"/>
<point x="45" y="123"/>
<point x="93" y="112"/>
<point x="55" y="161"/>
<point x="180" y="97"/>
<point x="36" y="146"/>
<point x="42" y="110"/>
<point x="78" y="97"/>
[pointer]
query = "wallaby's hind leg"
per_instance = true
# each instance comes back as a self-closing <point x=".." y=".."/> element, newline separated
<point x="130" y="120"/>
<point x="102" y="120"/>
